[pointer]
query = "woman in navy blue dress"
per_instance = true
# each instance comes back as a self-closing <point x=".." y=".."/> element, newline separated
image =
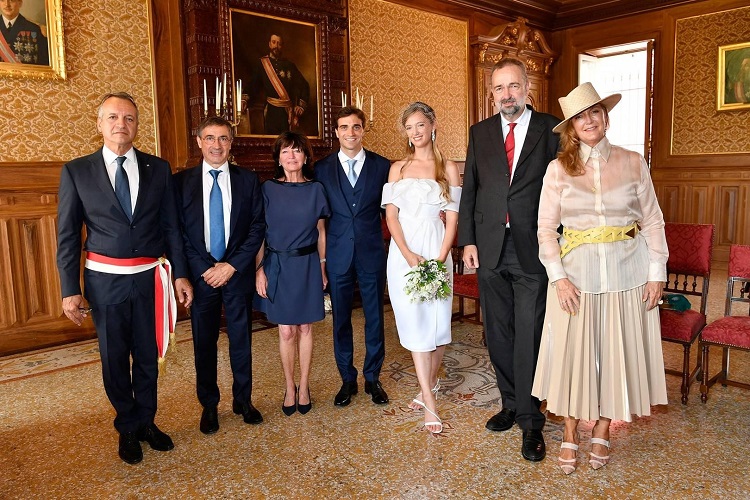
<point x="291" y="264"/>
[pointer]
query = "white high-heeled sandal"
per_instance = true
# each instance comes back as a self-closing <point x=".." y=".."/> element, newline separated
<point x="419" y="395"/>
<point x="596" y="461"/>
<point x="438" y="423"/>
<point x="568" y="465"/>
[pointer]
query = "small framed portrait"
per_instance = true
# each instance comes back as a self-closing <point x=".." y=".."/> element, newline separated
<point x="278" y="63"/>
<point x="733" y="82"/>
<point x="31" y="39"/>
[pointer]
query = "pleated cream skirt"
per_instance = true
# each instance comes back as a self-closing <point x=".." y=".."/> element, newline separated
<point x="604" y="362"/>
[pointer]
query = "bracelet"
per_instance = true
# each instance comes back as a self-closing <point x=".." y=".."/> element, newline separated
<point x="322" y="260"/>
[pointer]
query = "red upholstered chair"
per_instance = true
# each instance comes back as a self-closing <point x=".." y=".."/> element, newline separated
<point x="465" y="287"/>
<point x="689" y="270"/>
<point x="729" y="332"/>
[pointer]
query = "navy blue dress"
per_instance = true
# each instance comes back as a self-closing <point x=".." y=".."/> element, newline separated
<point x="292" y="263"/>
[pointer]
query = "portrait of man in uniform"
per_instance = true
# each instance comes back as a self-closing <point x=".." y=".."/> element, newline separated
<point x="277" y="61"/>
<point x="24" y="32"/>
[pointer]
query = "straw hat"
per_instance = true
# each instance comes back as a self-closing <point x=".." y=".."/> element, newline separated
<point x="581" y="98"/>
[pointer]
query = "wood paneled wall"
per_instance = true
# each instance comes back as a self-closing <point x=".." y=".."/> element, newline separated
<point x="701" y="188"/>
<point x="30" y="304"/>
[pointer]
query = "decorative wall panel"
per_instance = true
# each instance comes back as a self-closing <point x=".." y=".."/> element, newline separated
<point x="697" y="127"/>
<point x="106" y="49"/>
<point x="399" y="55"/>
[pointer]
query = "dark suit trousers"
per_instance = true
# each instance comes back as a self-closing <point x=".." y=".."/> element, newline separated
<point x="372" y="290"/>
<point x="513" y="305"/>
<point x="127" y="329"/>
<point x="205" y="319"/>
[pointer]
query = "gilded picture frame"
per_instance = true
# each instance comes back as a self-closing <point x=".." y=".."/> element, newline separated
<point x="278" y="61"/>
<point x="33" y="46"/>
<point x="733" y="77"/>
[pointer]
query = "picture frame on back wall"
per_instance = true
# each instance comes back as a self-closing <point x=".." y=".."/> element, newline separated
<point x="278" y="62"/>
<point x="33" y="46"/>
<point x="733" y="77"/>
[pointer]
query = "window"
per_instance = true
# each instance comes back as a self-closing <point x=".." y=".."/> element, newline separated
<point x="627" y="70"/>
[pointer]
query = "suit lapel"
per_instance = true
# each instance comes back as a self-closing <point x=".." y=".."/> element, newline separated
<point x="493" y="140"/>
<point x="194" y="203"/>
<point x="99" y="174"/>
<point x="533" y="135"/>
<point x="236" y="207"/>
<point x="144" y="182"/>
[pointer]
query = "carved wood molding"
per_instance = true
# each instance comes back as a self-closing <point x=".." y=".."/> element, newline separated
<point x="515" y="39"/>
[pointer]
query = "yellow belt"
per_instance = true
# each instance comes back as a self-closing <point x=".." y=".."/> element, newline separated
<point x="601" y="234"/>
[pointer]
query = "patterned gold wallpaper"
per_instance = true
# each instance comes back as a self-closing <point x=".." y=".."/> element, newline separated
<point x="399" y="55"/>
<point x="697" y="127"/>
<point x="107" y="49"/>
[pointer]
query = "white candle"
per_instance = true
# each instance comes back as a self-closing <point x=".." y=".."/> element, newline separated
<point x="224" y="87"/>
<point x="372" y="106"/>
<point x="359" y="103"/>
<point x="238" y="96"/>
<point x="342" y="99"/>
<point x="205" y="98"/>
<point x="218" y="94"/>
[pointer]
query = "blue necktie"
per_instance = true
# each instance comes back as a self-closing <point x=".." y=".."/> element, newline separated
<point x="352" y="175"/>
<point x="216" y="218"/>
<point x="122" y="188"/>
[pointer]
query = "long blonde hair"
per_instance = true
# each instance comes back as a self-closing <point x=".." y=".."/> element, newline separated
<point x="569" y="156"/>
<point x="440" y="174"/>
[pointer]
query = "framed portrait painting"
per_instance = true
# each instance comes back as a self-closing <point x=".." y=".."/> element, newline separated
<point x="31" y="39"/>
<point x="278" y="63"/>
<point x="733" y="82"/>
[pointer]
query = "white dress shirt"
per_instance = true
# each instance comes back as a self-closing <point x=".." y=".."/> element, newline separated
<point x="519" y="134"/>
<point x="131" y="168"/>
<point x="225" y="185"/>
<point x="360" y="157"/>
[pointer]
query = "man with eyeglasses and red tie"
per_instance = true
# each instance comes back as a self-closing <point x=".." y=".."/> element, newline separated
<point x="126" y="200"/>
<point x="221" y="210"/>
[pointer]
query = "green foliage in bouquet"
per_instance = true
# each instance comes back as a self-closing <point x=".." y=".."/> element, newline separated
<point x="427" y="281"/>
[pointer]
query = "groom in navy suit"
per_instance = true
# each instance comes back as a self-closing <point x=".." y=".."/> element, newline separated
<point x="126" y="200"/>
<point x="221" y="209"/>
<point x="354" y="179"/>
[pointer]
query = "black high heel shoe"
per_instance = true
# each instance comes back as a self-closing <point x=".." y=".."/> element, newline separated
<point x="289" y="410"/>
<point x="305" y="408"/>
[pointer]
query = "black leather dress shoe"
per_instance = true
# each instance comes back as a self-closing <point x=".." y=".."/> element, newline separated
<point x="130" y="449"/>
<point x="209" y="420"/>
<point x="533" y="445"/>
<point x="379" y="397"/>
<point x="344" y="396"/>
<point x="158" y="440"/>
<point x="501" y="421"/>
<point x="249" y="414"/>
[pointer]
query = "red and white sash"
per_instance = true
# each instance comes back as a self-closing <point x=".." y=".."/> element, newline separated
<point x="165" y="305"/>
<point x="6" y="53"/>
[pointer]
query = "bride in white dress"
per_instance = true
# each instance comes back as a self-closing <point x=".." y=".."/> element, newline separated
<point x="418" y="189"/>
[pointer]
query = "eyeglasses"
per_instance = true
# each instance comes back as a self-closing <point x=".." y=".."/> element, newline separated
<point x="223" y="139"/>
<point x="513" y="87"/>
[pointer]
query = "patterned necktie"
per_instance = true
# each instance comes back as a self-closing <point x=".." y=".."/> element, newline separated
<point x="510" y="149"/>
<point x="122" y="188"/>
<point x="216" y="218"/>
<point x="352" y="174"/>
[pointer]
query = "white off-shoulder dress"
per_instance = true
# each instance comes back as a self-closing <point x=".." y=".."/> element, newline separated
<point x="422" y="326"/>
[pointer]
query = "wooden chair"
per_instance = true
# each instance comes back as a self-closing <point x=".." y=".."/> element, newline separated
<point x="465" y="287"/>
<point x="730" y="331"/>
<point x="689" y="271"/>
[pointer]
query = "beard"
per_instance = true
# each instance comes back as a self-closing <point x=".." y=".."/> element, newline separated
<point x="276" y="53"/>
<point x="511" y="111"/>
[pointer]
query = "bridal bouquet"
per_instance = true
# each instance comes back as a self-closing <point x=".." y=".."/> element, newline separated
<point x="429" y="280"/>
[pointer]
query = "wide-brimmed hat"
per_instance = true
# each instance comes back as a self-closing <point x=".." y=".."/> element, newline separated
<point x="581" y="98"/>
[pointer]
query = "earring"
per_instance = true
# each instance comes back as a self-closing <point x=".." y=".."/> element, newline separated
<point x="433" y="136"/>
<point x="409" y="143"/>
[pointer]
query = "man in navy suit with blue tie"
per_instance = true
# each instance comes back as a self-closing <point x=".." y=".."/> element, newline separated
<point x="221" y="209"/>
<point x="355" y="252"/>
<point x="126" y="200"/>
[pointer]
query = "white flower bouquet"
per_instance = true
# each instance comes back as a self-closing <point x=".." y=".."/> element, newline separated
<point x="429" y="280"/>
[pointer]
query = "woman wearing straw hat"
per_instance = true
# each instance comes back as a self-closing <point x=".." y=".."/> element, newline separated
<point x="600" y="357"/>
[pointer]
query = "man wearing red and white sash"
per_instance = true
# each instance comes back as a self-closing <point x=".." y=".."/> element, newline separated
<point x="133" y="247"/>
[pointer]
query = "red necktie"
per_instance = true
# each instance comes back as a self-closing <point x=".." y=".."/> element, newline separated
<point x="510" y="149"/>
